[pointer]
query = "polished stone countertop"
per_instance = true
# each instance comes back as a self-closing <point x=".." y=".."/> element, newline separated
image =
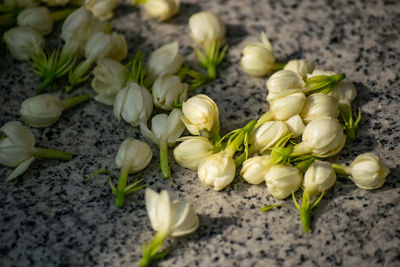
<point x="50" y="217"/>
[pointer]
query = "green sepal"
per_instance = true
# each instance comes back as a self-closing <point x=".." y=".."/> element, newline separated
<point x="270" y="207"/>
<point x="91" y="176"/>
<point x="135" y="70"/>
<point x="322" y="83"/>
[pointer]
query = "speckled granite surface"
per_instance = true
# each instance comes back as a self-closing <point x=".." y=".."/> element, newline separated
<point x="49" y="217"/>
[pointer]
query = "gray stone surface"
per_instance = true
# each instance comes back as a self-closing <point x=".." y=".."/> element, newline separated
<point x="50" y="217"/>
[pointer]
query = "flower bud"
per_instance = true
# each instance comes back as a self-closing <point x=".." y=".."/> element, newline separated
<point x="23" y="42"/>
<point x="192" y="151"/>
<point x="281" y="81"/>
<point x="217" y="170"/>
<point x="258" y="58"/>
<point x="165" y="60"/>
<point x="254" y="169"/>
<point x="134" y="155"/>
<point x="344" y="91"/>
<point x="282" y="180"/>
<point x="300" y="66"/>
<point x="101" y="9"/>
<point x="42" y="110"/>
<point x="161" y="9"/>
<point x="368" y="171"/>
<point x="134" y="104"/>
<point x="119" y="48"/>
<point x="319" y="177"/>
<point x="206" y="28"/>
<point x="288" y="104"/>
<point x="295" y="125"/>
<point x="319" y="105"/>
<point x="267" y="135"/>
<point x="108" y="80"/>
<point x="38" y="18"/>
<point x="199" y="113"/>
<point x="166" y="91"/>
<point x="55" y="2"/>
<point x="98" y="46"/>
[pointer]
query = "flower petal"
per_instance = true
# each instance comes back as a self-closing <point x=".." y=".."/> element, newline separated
<point x="21" y="168"/>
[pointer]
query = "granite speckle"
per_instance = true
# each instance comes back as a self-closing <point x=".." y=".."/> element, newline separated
<point x="50" y="217"/>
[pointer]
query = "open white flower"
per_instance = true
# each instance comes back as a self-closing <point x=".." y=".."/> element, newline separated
<point x="206" y="28"/>
<point x="319" y="177"/>
<point x="255" y="168"/>
<point x="167" y="90"/>
<point x="192" y="151"/>
<point x="282" y="180"/>
<point x="267" y="135"/>
<point x="300" y="66"/>
<point x="258" y="58"/>
<point x="23" y="42"/>
<point x="319" y="105"/>
<point x="38" y="18"/>
<point x="101" y="9"/>
<point x="281" y="81"/>
<point x="161" y="9"/>
<point x="295" y="125"/>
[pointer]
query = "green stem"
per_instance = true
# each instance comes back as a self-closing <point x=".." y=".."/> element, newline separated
<point x="166" y="172"/>
<point x="49" y="80"/>
<point x="300" y="149"/>
<point x="70" y="102"/>
<point x="212" y="71"/>
<point x="277" y="66"/>
<point x="122" y="181"/>
<point x="60" y="15"/>
<point x="214" y="133"/>
<point x="43" y="153"/>
<point x="341" y="170"/>
<point x="305" y="220"/>
<point x="150" y="252"/>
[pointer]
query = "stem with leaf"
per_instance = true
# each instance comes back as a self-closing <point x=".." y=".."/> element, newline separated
<point x="212" y="57"/>
<point x="306" y="206"/>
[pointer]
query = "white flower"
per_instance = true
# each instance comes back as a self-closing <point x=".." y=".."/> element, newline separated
<point x="281" y="81"/>
<point x="134" y="155"/>
<point x="23" y="42"/>
<point x="108" y="80"/>
<point x="22" y="3"/>
<point x="134" y="104"/>
<point x="42" y="110"/>
<point x="161" y="9"/>
<point x="319" y="177"/>
<point x="192" y="151"/>
<point x="295" y="125"/>
<point x="300" y="66"/>
<point x="267" y="135"/>
<point x="166" y="90"/>
<point x="56" y="2"/>
<point x="38" y="18"/>
<point x="318" y="72"/>
<point x="17" y="149"/>
<point x="319" y="105"/>
<point x="344" y="91"/>
<point x="206" y="28"/>
<point x="287" y="104"/>
<point x="258" y="58"/>
<point x="101" y="9"/>
<point x="199" y="113"/>
<point x="282" y="180"/>
<point x="165" y="60"/>
<point x="218" y="170"/>
<point x="254" y="169"/>
<point x="368" y="171"/>
<point x="98" y="46"/>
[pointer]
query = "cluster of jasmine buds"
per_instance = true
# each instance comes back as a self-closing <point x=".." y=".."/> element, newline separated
<point x="159" y="9"/>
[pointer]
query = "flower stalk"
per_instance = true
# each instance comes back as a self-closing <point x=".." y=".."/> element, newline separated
<point x="306" y="206"/>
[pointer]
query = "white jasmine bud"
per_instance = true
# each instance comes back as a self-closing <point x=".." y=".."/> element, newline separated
<point x="295" y="125"/>
<point x="319" y="177"/>
<point x="255" y="168"/>
<point x="319" y="105"/>
<point x="288" y="104"/>
<point x="192" y="151"/>
<point x="23" y="42"/>
<point x="165" y="60"/>
<point x="101" y="9"/>
<point x="134" y="104"/>
<point x="344" y="91"/>
<point x="161" y="9"/>
<point x="98" y="46"/>
<point x="267" y="135"/>
<point x="167" y="90"/>
<point x="258" y="58"/>
<point x="108" y="80"/>
<point x="282" y="180"/>
<point x="133" y="155"/>
<point x="300" y="66"/>
<point x="200" y="113"/>
<point x="206" y="28"/>
<point x="38" y="18"/>
<point x="217" y="170"/>
<point x="119" y="49"/>
<point x="281" y="81"/>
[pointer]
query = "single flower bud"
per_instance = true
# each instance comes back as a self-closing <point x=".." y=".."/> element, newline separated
<point x="281" y="81"/>
<point x="319" y="177"/>
<point x="288" y="104"/>
<point x="108" y="80"/>
<point x="38" y="18"/>
<point x="42" y="110"/>
<point x="167" y="90"/>
<point x="119" y="49"/>
<point x="258" y="58"/>
<point x="300" y="66"/>
<point x="282" y="180"/>
<point x="199" y="113"/>
<point x="134" y="104"/>
<point x="206" y="28"/>
<point x="368" y="171"/>
<point x="344" y="91"/>
<point x="295" y="125"/>
<point x="254" y="169"/>
<point x="101" y="9"/>
<point x="319" y="105"/>
<point x="98" y="46"/>
<point x="267" y="135"/>
<point x="218" y="170"/>
<point x="165" y="60"/>
<point x="161" y="9"/>
<point x="134" y="155"/>
<point x="192" y="151"/>
<point x="55" y="2"/>
<point x="23" y="42"/>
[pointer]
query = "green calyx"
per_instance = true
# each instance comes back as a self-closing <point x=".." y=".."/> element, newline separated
<point x="134" y="69"/>
<point x="78" y="75"/>
<point x="307" y="204"/>
<point x="212" y="57"/>
<point x="151" y="251"/>
<point x="322" y="83"/>
<point x="193" y="78"/>
<point x="349" y="123"/>
<point x="270" y="207"/>
<point x="303" y="162"/>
